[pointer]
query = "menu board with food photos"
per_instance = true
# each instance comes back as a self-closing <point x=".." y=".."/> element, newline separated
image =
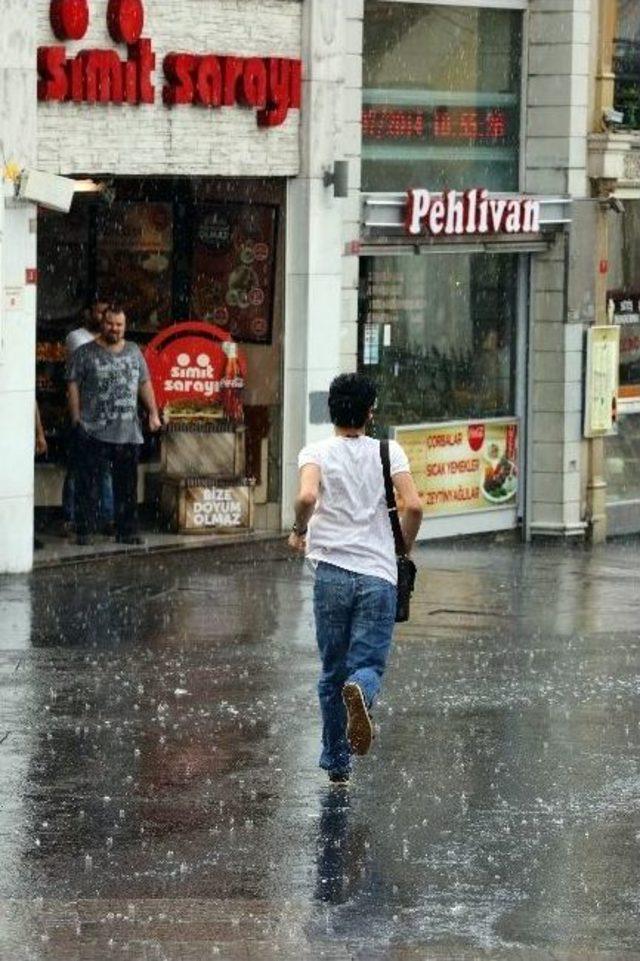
<point x="463" y="466"/>
<point x="134" y="246"/>
<point x="232" y="280"/>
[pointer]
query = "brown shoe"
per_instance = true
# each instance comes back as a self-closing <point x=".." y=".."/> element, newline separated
<point x="359" y="727"/>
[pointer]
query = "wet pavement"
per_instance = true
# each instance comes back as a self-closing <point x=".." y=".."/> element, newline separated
<point x="160" y="798"/>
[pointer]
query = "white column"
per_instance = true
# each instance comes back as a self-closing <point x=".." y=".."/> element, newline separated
<point x="315" y="239"/>
<point x="556" y="164"/>
<point x="17" y="298"/>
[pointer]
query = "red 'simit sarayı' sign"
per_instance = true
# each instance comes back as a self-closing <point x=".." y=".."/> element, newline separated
<point x="454" y="214"/>
<point x="269" y="85"/>
<point x="196" y="365"/>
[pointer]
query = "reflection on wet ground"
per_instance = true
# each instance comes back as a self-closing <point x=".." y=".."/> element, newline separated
<point x="158" y="748"/>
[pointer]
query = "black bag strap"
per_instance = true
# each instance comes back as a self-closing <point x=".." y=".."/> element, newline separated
<point x="401" y="549"/>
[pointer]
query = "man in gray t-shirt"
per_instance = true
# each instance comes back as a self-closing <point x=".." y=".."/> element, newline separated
<point x="105" y="380"/>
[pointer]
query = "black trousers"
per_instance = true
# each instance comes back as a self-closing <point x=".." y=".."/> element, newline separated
<point x="92" y="458"/>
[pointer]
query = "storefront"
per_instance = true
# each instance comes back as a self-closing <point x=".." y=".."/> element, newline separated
<point x="446" y="254"/>
<point x="189" y="147"/>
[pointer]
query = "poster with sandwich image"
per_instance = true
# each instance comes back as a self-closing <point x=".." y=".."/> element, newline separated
<point x="233" y="269"/>
<point x="463" y="466"/>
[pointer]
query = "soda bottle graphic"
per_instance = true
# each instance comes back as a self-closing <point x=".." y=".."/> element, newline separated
<point x="231" y="395"/>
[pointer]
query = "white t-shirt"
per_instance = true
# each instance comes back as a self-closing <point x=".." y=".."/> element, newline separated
<point x="350" y="526"/>
<point x="77" y="338"/>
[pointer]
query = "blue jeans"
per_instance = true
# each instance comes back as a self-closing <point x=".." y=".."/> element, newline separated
<point x="105" y="485"/>
<point x="69" y="497"/>
<point x="355" y="616"/>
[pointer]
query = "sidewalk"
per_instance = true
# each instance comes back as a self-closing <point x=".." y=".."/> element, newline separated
<point x="59" y="550"/>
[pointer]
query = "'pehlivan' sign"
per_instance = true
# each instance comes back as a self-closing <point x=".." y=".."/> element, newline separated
<point x="475" y="212"/>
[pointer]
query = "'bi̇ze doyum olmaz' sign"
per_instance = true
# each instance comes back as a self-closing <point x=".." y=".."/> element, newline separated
<point x="454" y="214"/>
<point x="269" y="85"/>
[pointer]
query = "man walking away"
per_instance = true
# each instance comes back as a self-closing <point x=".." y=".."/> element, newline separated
<point x="105" y="379"/>
<point x="342" y="523"/>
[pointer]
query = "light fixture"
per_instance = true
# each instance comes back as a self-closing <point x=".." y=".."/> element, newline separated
<point x="51" y="190"/>
<point x="87" y="187"/>
<point x="339" y="177"/>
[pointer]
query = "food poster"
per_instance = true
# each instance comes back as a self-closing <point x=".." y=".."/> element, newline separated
<point x="232" y="282"/>
<point x="134" y="247"/>
<point x="463" y="466"/>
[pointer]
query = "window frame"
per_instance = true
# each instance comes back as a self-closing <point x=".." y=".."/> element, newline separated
<point x="522" y="5"/>
<point x="494" y="4"/>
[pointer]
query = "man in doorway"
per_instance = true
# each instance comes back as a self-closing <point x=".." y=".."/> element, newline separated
<point x="342" y="524"/>
<point x="94" y="315"/>
<point x="105" y="380"/>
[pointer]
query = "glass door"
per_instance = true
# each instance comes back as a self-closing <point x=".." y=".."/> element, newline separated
<point x="443" y="337"/>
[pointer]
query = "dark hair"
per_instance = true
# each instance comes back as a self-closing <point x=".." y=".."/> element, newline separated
<point x="115" y="307"/>
<point x="351" y="397"/>
<point x="94" y="301"/>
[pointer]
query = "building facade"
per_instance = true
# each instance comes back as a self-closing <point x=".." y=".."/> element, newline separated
<point x="497" y="97"/>
<point x="472" y="319"/>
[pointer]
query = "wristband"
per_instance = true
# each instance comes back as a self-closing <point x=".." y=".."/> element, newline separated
<point x="299" y="531"/>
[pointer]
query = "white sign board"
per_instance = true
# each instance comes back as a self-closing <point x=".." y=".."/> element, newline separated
<point x="602" y="378"/>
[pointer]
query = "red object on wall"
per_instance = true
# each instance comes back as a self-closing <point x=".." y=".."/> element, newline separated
<point x="197" y="364"/>
<point x="466" y="124"/>
<point x="270" y="85"/>
<point x="31" y="276"/>
<point x="125" y="20"/>
<point x="476" y="434"/>
<point x="97" y="76"/>
<point x="604" y="266"/>
<point x="69" y="18"/>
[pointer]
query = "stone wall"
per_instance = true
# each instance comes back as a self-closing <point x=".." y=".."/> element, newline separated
<point x="186" y="139"/>
<point x="558" y="91"/>
<point x="321" y="328"/>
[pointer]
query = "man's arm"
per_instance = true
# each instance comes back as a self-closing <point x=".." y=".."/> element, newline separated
<point x="73" y="401"/>
<point x="148" y="398"/>
<point x="41" y="440"/>
<point x="411" y="515"/>
<point x="304" y="505"/>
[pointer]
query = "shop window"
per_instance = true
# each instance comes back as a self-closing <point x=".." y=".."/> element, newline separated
<point x="623" y="449"/>
<point x="64" y="288"/>
<point x="623" y="461"/>
<point x="233" y="268"/>
<point x="134" y="247"/>
<point x="168" y="250"/>
<point x="626" y="63"/>
<point x="441" y="97"/>
<point x="438" y="335"/>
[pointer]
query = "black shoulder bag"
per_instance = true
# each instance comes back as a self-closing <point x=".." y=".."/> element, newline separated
<point x="406" y="567"/>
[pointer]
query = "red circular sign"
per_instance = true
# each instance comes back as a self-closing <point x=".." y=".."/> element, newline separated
<point x="125" y="19"/>
<point x="191" y="365"/>
<point x="69" y="18"/>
